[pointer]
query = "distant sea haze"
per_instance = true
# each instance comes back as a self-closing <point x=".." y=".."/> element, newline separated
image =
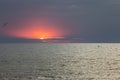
<point x="18" y="40"/>
<point x="56" y="40"/>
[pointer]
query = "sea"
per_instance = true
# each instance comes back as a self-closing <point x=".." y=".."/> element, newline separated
<point x="56" y="61"/>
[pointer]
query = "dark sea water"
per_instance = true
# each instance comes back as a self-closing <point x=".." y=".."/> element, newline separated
<point x="44" y="61"/>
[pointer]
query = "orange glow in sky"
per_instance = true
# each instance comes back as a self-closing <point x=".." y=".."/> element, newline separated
<point x="38" y="29"/>
<point x="38" y="33"/>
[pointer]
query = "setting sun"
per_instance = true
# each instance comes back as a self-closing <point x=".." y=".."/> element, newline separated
<point x="42" y="38"/>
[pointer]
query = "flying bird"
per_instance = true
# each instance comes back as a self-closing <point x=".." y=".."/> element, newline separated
<point x="5" y="24"/>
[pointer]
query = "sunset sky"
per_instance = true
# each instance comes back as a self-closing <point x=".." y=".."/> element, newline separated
<point x="86" y="20"/>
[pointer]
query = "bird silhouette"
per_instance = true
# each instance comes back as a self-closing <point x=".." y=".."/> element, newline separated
<point x="5" y="24"/>
<point x="2" y="26"/>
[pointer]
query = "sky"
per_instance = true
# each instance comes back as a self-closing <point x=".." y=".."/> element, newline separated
<point x="86" y="20"/>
